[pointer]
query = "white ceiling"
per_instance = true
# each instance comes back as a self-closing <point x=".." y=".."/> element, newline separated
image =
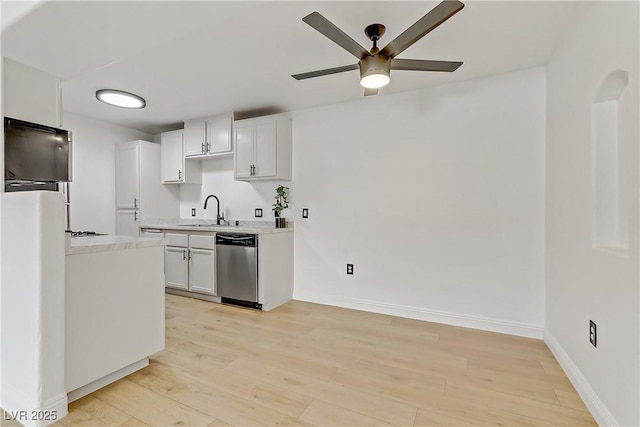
<point x="193" y="59"/>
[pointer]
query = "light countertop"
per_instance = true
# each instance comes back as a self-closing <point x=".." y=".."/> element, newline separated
<point x="92" y="244"/>
<point x="249" y="227"/>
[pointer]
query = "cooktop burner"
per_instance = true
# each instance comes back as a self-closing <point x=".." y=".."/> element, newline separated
<point x="85" y="233"/>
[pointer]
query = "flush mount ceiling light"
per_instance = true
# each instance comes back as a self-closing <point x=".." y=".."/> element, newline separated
<point x="120" y="98"/>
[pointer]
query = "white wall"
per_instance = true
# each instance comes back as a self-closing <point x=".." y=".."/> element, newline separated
<point x="33" y="279"/>
<point x="436" y="196"/>
<point x="93" y="188"/>
<point x="583" y="282"/>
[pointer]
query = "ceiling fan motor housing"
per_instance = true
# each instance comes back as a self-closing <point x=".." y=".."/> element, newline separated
<point x="373" y="69"/>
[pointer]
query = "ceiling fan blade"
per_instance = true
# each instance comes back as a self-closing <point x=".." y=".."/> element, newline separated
<point x="424" y="65"/>
<point x="426" y="24"/>
<point x="369" y="92"/>
<point x="326" y="27"/>
<point x="325" y="72"/>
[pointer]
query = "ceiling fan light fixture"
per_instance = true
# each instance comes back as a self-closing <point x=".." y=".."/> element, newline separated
<point x="374" y="71"/>
<point x="119" y="98"/>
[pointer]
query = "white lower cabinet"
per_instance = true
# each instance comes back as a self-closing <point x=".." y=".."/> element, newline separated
<point x="190" y="262"/>
<point x="202" y="270"/>
<point x="176" y="268"/>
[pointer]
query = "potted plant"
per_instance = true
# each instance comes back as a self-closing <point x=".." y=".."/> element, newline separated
<point x="281" y="204"/>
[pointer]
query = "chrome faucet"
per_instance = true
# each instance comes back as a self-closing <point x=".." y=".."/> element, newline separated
<point x="218" y="216"/>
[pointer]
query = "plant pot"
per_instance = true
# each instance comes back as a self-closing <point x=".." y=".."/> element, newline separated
<point x="281" y="222"/>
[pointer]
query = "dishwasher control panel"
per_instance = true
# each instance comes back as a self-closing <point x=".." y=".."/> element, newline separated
<point x="250" y="240"/>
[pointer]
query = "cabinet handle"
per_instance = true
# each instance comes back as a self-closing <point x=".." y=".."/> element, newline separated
<point x="189" y="254"/>
<point x="179" y="174"/>
<point x="208" y="147"/>
<point x="135" y="215"/>
<point x="184" y="254"/>
<point x="202" y="147"/>
<point x="135" y="203"/>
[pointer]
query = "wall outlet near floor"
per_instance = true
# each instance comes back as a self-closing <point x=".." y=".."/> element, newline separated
<point x="258" y="213"/>
<point x="193" y="211"/>
<point x="305" y="212"/>
<point x="349" y="268"/>
<point x="593" y="333"/>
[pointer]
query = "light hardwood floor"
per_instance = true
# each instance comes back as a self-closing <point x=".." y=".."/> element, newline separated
<point x="308" y="364"/>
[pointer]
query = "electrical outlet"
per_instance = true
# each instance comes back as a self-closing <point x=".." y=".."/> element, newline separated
<point x="258" y="212"/>
<point x="349" y="268"/>
<point x="593" y="333"/>
<point x="193" y="211"/>
<point x="305" y="212"/>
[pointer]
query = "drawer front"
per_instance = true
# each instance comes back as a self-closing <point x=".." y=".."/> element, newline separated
<point x="174" y="239"/>
<point x="152" y="233"/>
<point x="202" y="242"/>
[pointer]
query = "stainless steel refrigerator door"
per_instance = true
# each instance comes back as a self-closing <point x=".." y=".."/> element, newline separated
<point x="237" y="272"/>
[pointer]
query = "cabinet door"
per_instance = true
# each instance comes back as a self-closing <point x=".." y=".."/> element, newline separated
<point x="175" y="267"/>
<point x="219" y="134"/>
<point x="202" y="271"/>
<point x="127" y="176"/>
<point x="172" y="158"/>
<point x="244" y="151"/>
<point x="194" y="138"/>
<point x="265" y="148"/>
<point x="127" y="223"/>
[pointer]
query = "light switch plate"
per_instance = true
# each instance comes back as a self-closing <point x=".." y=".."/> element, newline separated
<point x="258" y="212"/>
<point x="305" y="212"/>
<point x="193" y="211"/>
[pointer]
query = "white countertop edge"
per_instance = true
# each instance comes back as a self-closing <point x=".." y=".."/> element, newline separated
<point x="93" y="244"/>
<point x="218" y="228"/>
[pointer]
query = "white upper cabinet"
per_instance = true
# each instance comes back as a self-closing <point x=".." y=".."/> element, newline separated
<point x="195" y="136"/>
<point x="219" y="134"/>
<point x="174" y="168"/>
<point x="208" y="137"/>
<point x="263" y="148"/>
<point x="243" y="135"/>
<point x="171" y="156"/>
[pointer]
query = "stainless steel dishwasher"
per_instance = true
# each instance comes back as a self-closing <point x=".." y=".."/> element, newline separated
<point x="237" y="269"/>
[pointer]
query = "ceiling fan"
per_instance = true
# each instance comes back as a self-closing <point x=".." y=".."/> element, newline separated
<point x="375" y="65"/>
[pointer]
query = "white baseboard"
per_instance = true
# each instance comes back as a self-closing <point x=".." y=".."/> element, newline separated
<point x="418" y="313"/>
<point x="13" y="403"/>
<point x="596" y="406"/>
<point x="107" y="379"/>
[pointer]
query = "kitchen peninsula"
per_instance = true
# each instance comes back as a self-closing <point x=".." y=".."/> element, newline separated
<point x="114" y="317"/>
